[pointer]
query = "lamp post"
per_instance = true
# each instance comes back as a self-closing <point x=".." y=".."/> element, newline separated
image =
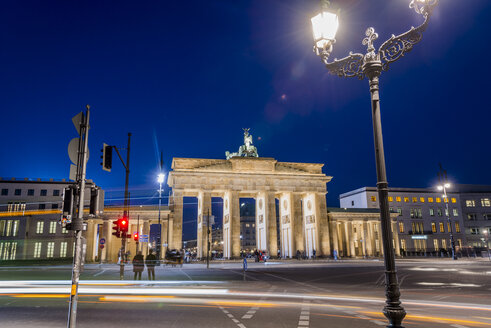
<point x="160" y="180"/>
<point x="370" y="65"/>
<point x="447" y="213"/>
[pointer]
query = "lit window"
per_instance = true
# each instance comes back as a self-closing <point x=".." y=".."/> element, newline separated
<point x="15" y="228"/>
<point x="421" y="227"/>
<point x="445" y="199"/>
<point x="454" y="200"/>
<point x="373" y="198"/>
<point x="37" y="250"/>
<point x="391" y="199"/>
<point x="442" y="227"/>
<point x="406" y="199"/>
<point x="472" y="216"/>
<point x="485" y="202"/>
<point x="415" y="199"/>
<point x="448" y="226"/>
<point x="433" y="227"/>
<point x="401" y="227"/>
<point x="411" y="213"/>
<point x="435" y="244"/>
<point x="444" y="243"/>
<point x="422" y="199"/>
<point x="438" y="200"/>
<point x="432" y="212"/>
<point x="247" y="225"/>
<point x="64" y="230"/>
<point x="52" y="227"/>
<point x="63" y="249"/>
<point x="413" y="226"/>
<point x="399" y="210"/>
<point x="439" y="212"/>
<point x="457" y="227"/>
<point x="430" y="199"/>
<point x="474" y="231"/>
<point x="403" y="244"/>
<point x="470" y="203"/>
<point x="420" y="215"/>
<point x="51" y="249"/>
<point x="455" y="212"/>
<point x="446" y="212"/>
<point x="459" y="241"/>
<point x="40" y="227"/>
<point x="398" y="199"/>
<point x="9" y="227"/>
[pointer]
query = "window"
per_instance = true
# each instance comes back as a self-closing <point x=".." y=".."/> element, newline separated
<point x="457" y="227"/>
<point x="64" y="230"/>
<point x="44" y="192"/>
<point x="470" y="203"/>
<point x="9" y="227"/>
<point x="435" y="244"/>
<point x="430" y="199"/>
<point x="63" y="245"/>
<point x="399" y="210"/>
<point x="52" y="227"/>
<point x="42" y="206"/>
<point x="398" y="199"/>
<point x="5" y="192"/>
<point x="373" y="198"/>
<point x="415" y="199"/>
<point x="391" y="199"/>
<point x="442" y="227"/>
<point x="15" y="228"/>
<point x="448" y="226"/>
<point x="17" y="192"/>
<point x="446" y="212"/>
<point x="454" y="200"/>
<point x="401" y="227"/>
<point x="455" y="212"/>
<point x="411" y="213"/>
<point x="40" y="227"/>
<point x="56" y="192"/>
<point x="413" y="227"/>
<point x="459" y="242"/>
<point x="445" y="199"/>
<point x="51" y="249"/>
<point x="54" y="206"/>
<point x="471" y="216"/>
<point x="485" y="202"/>
<point x="37" y="250"/>
<point x="422" y="199"/>
<point x="421" y="227"/>
<point x="403" y="244"/>
<point x="432" y="212"/>
<point x="438" y="200"/>
<point x="30" y="192"/>
<point x="433" y="227"/>
<point x="420" y="215"/>
<point x="487" y="216"/>
<point x="406" y="199"/>
<point x="2" y="228"/>
<point x="444" y="244"/>
<point x="352" y="203"/>
<point x="439" y="212"/>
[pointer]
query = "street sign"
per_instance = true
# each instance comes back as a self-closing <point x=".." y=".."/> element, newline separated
<point x="102" y="241"/>
<point x="77" y="120"/>
<point x="101" y="246"/>
<point x="143" y="240"/>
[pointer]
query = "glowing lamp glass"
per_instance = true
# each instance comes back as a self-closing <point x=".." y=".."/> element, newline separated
<point x="447" y="185"/>
<point x="160" y="178"/>
<point x="324" y="25"/>
<point x="440" y="187"/>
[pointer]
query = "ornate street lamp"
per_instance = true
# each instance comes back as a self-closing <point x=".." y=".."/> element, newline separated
<point x="160" y="180"/>
<point x="371" y="65"/>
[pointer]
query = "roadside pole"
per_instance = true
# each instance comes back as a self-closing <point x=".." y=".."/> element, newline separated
<point x="77" y="222"/>
<point x="208" y="240"/>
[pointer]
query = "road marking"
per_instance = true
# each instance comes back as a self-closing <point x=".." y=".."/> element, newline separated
<point x="458" y="326"/>
<point x="98" y="273"/>
<point x="253" y="309"/>
<point x="304" y="318"/>
<point x="231" y="316"/>
<point x="180" y="269"/>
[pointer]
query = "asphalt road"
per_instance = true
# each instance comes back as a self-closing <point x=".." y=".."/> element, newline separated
<point x="435" y="293"/>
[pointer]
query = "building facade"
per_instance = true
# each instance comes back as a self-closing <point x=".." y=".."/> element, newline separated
<point x="422" y="220"/>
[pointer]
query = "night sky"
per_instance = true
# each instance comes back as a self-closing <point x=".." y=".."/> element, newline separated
<point x="186" y="76"/>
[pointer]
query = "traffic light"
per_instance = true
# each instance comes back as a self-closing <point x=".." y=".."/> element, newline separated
<point x="135" y="236"/>
<point x="107" y="157"/>
<point x="123" y="225"/>
<point x="117" y="231"/>
<point x="67" y="211"/>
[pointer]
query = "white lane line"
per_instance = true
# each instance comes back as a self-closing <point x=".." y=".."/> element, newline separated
<point x="458" y="326"/>
<point x="180" y="269"/>
<point x="98" y="273"/>
<point x="380" y="323"/>
<point x="252" y="311"/>
<point x="304" y="318"/>
<point x="231" y="316"/>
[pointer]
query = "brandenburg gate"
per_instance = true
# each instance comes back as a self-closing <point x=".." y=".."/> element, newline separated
<point x="299" y="187"/>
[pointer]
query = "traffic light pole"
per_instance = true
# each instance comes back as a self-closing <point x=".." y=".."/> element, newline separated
<point x="208" y="240"/>
<point x="77" y="222"/>
<point x="126" y="207"/>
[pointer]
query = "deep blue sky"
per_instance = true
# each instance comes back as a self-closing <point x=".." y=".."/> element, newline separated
<point x="187" y="76"/>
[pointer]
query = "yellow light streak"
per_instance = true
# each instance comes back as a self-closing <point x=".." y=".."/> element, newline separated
<point x="436" y="319"/>
<point x="240" y="303"/>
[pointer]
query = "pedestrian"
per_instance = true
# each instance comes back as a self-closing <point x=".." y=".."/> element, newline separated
<point x="335" y="254"/>
<point x="298" y="254"/>
<point x="138" y="265"/>
<point x="313" y="254"/>
<point x="151" y="261"/>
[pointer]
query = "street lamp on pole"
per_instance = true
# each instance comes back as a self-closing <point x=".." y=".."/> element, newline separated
<point x="370" y="65"/>
<point x="160" y="180"/>
<point x="444" y="188"/>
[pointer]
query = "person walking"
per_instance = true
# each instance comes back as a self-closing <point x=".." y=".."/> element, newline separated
<point x="151" y="261"/>
<point x="138" y="265"/>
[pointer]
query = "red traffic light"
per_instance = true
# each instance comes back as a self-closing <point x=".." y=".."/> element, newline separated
<point x="135" y="236"/>
<point x="123" y="224"/>
<point x="116" y="229"/>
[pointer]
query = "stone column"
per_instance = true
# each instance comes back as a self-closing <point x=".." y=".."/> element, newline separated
<point x="204" y="209"/>
<point x="271" y="222"/>
<point x="346" y="245"/>
<point x="105" y="233"/>
<point x="322" y="225"/>
<point x="368" y="239"/>
<point x="335" y="242"/>
<point x="395" y="235"/>
<point x="235" y="223"/>
<point x="286" y="225"/>
<point x="90" y="236"/>
<point x="146" y="231"/>
<point x="351" y="239"/>
<point x="297" y="224"/>
<point x="175" y="224"/>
